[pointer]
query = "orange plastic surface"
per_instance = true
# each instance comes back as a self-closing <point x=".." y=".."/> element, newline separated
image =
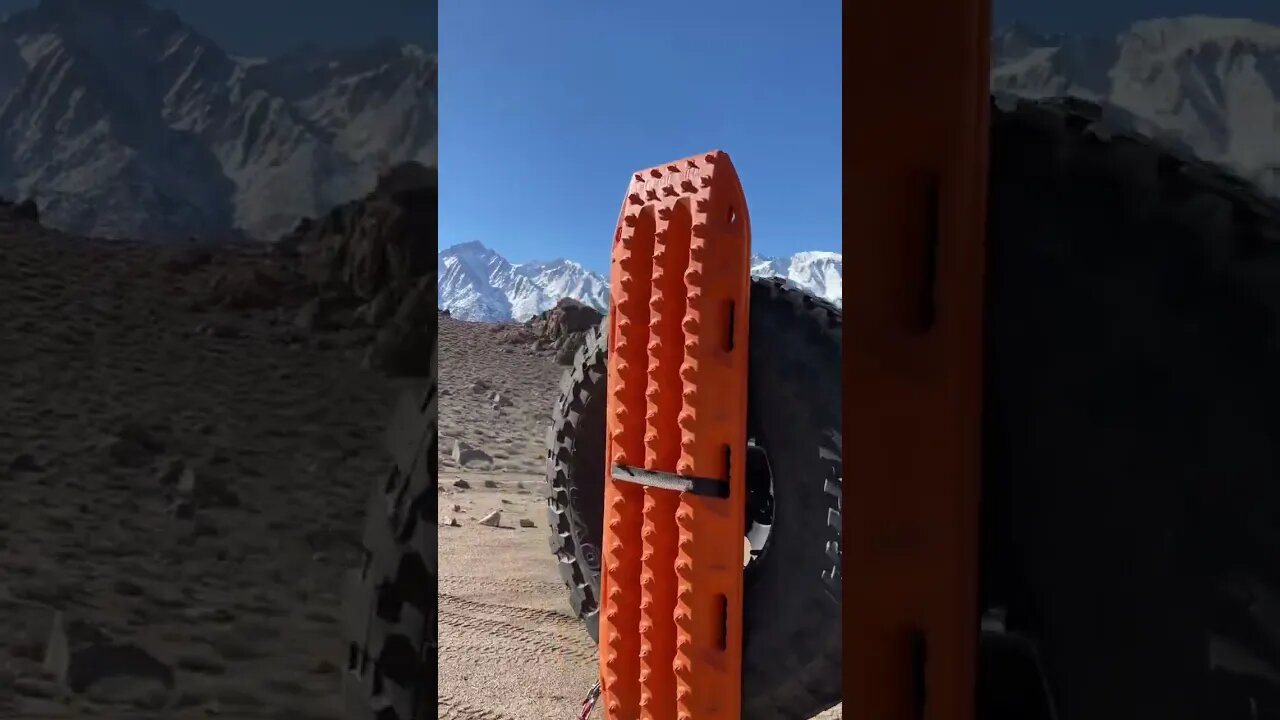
<point x="915" y="172"/>
<point x="671" y="600"/>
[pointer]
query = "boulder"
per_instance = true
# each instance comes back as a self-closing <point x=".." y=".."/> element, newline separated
<point x="562" y="329"/>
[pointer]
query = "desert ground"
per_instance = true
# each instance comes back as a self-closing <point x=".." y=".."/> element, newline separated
<point x="510" y="647"/>
<point x="182" y="483"/>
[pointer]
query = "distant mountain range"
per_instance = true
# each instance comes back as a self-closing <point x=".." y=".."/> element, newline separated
<point x="478" y="284"/>
<point x="1210" y="84"/>
<point x="121" y="120"/>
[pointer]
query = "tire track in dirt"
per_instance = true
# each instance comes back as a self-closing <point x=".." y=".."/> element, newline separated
<point x="461" y="584"/>
<point x="454" y="709"/>
<point x="552" y="617"/>
<point x="527" y="641"/>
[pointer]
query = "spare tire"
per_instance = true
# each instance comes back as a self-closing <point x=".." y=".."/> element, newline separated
<point x="390" y="603"/>
<point x="791" y="589"/>
<point x="1132" y="421"/>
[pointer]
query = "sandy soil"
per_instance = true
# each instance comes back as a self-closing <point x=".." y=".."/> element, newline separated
<point x="510" y="647"/>
<point x="181" y="489"/>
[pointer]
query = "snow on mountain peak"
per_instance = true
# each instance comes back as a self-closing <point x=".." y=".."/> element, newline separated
<point x="478" y="284"/>
<point x="120" y="120"/>
<point x="1178" y="34"/>
<point x="815" y="271"/>
<point x="1209" y="84"/>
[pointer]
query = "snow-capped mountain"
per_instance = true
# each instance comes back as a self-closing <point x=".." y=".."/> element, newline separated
<point x="120" y="120"/>
<point x="478" y="284"/>
<point x="1212" y="84"/>
<point x="813" y="271"/>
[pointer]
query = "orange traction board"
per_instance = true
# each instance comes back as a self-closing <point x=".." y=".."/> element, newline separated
<point x="671" y="586"/>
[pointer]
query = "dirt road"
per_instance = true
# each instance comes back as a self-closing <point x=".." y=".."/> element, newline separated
<point x="508" y="646"/>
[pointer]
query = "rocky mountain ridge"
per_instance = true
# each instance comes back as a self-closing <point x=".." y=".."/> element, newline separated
<point x="122" y="121"/>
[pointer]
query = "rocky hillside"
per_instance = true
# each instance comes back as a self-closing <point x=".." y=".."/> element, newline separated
<point x="184" y="464"/>
<point x="122" y="121"/>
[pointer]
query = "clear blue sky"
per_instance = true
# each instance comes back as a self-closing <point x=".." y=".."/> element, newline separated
<point x="546" y="108"/>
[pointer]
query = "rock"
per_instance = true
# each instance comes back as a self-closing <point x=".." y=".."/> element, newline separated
<point x="493" y="519"/>
<point x="407" y="177"/>
<point x="204" y="663"/>
<point x="186" y="483"/>
<point x="325" y="313"/>
<point x="418" y="308"/>
<point x="222" y="331"/>
<point x="385" y="241"/>
<point x="519" y="484"/>
<point x="527" y="523"/>
<point x="203" y="529"/>
<point x="128" y="453"/>
<point x="134" y="446"/>
<point x="187" y="260"/>
<point x="137" y="432"/>
<point x="171" y="472"/>
<point x="480" y="386"/>
<point x="448" y="521"/>
<point x="125" y="587"/>
<point x="567" y="317"/>
<point x="499" y="401"/>
<point x="246" y="289"/>
<point x="219" y="615"/>
<point x="510" y="334"/>
<point x="378" y="310"/>
<point x="563" y="327"/>
<point x="470" y="457"/>
<point x="288" y="245"/>
<point x="491" y="483"/>
<point x="26" y="462"/>
<point x="402" y="351"/>
<point x="461" y="484"/>
<point x="207" y="491"/>
<point x="81" y="657"/>
<point x="308" y="317"/>
<point x="57" y="649"/>
<point x="457" y="507"/>
<point x="182" y="509"/>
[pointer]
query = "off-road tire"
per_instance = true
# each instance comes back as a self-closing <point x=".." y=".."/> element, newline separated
<point x="1132" y="418"/>
<point x="791" y="613"/>
<point x="390" y="603"/>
